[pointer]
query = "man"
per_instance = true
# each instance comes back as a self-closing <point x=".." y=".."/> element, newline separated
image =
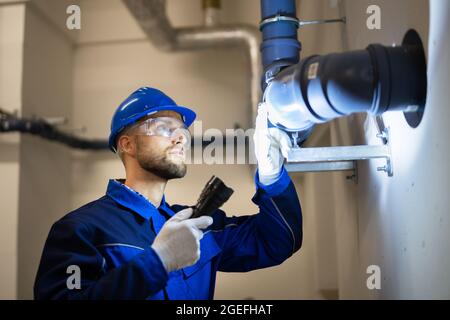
<point x="131" y="244"/>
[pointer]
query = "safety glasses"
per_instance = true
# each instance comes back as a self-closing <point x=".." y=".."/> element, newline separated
<point x="163" y="127"/>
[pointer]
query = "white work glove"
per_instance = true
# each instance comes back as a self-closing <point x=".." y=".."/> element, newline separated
<point x="271" y="147"/>
<point x="178" y="242"/>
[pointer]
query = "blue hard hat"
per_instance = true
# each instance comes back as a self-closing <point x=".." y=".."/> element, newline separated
<point x="141" y="103"/>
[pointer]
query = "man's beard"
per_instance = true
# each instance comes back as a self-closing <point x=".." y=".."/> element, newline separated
<point x="160" y="165"/>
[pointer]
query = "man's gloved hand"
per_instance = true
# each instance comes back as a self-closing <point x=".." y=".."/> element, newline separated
<point x="271" y="147"/>
<point x="178" y="242"/>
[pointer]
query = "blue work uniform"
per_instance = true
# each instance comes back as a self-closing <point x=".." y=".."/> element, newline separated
<point x="109" y="242"/>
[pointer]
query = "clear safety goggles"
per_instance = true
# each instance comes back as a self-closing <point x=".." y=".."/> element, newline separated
<point x="164" y="127"/>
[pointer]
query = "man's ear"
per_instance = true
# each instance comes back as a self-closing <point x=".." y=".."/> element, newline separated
<point x="127" y="145"/>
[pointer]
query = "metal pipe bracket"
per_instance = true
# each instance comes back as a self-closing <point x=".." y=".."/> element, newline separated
<point x="342" y="158"/>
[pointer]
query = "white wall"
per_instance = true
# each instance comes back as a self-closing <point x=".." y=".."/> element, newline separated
<point x="400" y="223"/>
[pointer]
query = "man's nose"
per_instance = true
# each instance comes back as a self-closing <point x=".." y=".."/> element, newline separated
<point x="179" y="137"/>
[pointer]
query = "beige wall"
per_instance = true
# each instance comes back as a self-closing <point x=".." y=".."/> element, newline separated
<point x="36" y="79"/>
<point x="11" y="47"/>
<point x="44" y="166"/>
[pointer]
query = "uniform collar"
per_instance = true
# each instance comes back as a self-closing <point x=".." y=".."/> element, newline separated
<point x="135" y="201"/>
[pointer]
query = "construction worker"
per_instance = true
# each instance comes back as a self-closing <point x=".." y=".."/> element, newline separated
<point x="131" y="244"/>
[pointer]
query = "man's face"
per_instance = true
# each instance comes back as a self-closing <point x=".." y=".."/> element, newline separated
<point x="162" y="156"/>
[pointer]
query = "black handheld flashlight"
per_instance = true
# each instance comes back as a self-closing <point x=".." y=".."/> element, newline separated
<point x="213" y="196"/>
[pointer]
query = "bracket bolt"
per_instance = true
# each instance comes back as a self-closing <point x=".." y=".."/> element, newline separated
<point x="383" y="168"/>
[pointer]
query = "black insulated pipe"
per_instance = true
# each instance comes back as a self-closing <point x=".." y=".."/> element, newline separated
<point x="39" y="127"/>
<point x="375" y="80"/>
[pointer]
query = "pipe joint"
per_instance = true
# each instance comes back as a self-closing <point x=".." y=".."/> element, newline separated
<point x="375" y="80"/>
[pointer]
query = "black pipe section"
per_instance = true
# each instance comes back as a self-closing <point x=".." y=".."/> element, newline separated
<point x="280" y="47"/>
<point x="375" y="80"/>
<point x="41" y="128"/>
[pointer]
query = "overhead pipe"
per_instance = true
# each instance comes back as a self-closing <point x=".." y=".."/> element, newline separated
<point x="46" y="130"/>
<point x="151" y="16"/>
<point x="280" y="46"/>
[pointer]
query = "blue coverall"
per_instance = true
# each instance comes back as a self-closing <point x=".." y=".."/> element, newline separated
<point x="110" y="241"/>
